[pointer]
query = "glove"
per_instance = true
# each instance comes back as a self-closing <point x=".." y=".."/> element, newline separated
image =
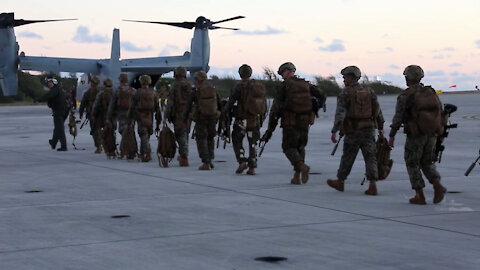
<point x="266" y="137"/>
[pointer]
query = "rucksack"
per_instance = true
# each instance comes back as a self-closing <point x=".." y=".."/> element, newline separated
<point x="124" y="97"/>
<point x="108" y="141"/>
<point x="254" y="102"/>
<point x="426" y="110"/>
<point x="145" y="99"/>
<point x="384" y="163"/>
<point x="360" y="103"/>
<point x="167" y="146"/>
<point x="182" y="92"/>
<point x="207" y="100"/>
<point x="128" y="144"/>
<point x="107" y="96"/>
<point x="298" y="98"/>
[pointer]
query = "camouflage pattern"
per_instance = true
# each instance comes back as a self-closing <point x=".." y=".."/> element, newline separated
<point x="413" y="73"/>
<point x="86" y="106"/>
<point x="100" y="114"/>
<point x="353" y="70"/>
<point x="295" y="137"/>
<point x="342" y="107"/>
<point x="245" y="71"/>
<point x="287" y="65"/>
<point x="116" y="114"/>
<point x="174" y="112"/>
<point x="144" y="120"/>
<point x="205" y="135"/>
<point x="362" y="139"/>
<point x="419" y="155"/>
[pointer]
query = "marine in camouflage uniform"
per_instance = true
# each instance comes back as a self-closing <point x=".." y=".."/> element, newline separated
<point x="245" y="123"/>
<point x="419" y="148"/>
<point x="295" y="125"/>
<point x="204" y="124"/>
<point x="120" y="104"/>
<point x="357" y="121"/>
<point x="144" y="106"/>
<point x="99" y="112"/>
<point x="176" y="102"/>
<point x="86" y="106"/>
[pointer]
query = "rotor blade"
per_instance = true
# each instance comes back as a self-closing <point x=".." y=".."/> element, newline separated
<point x="230" y="19"/>
<point x="23" y="22"/>
<point x="187" y="25"/>
<point x="213" y="27"/>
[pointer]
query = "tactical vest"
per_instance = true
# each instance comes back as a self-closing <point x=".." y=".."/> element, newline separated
<point x="124" y="97"/>
<point x="182" y="92"/>
<point x="362" y="110"/>
<point x="253" y="98"/>
<point x="207" y="100"/>
<point x="298" y="98"/>
<point x="423" y="111"/>
<point x="145" y="99"/>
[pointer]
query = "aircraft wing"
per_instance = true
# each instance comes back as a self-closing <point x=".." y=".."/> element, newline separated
<point x="56" y="64"/>
<point x="155" y="65"/>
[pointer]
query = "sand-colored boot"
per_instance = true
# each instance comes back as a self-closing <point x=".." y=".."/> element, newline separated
<point x="419" y="197"/>
<point x="183" y="161"/>
<point x="296" y="178"/>
<point x="204" y="167"/>
<point x="304" y="170"/>
<point x="251" y="171"/>
<point x="439" y="191"/>
<point x="372" y="188"/>
<point x="241" y="167"/>
<point x="336" y="184"/>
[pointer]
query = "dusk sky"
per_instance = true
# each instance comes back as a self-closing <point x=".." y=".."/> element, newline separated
<point x="319" y="37"/>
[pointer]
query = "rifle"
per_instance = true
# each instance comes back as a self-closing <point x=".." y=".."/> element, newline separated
<point x="336" y="145"/>
<point x="84" y="123"/>
<point x="472" y="166"/>
<point x="262" y="147"/>
<point x="448" y="109"/>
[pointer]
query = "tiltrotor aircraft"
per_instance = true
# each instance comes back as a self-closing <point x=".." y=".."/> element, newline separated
<point x="11" y="61"/>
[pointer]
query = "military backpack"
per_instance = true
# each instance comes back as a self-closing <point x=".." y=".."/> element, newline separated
<point x="359" y="103"/>
<point x="128" y="144"/>
<point x="182" y="92"/>
<point x="207" y="100"/>
<point x="107" y="96"/>
<point x="124" y="97"/>
<point x="298" y="98"/>
<point x="167" y="146"/>
<point x="146" y="99"/>
<point x="384" y="163"/>
<point x="254" y="102"/>
<point x="425" y="110"/>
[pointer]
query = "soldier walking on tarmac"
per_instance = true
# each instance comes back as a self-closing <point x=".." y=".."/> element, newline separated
<point x="99" y="112"/>
<point x="205" y="115"/>
<point x="144" y="105"/>
<point x="419" y="109"/>
<point x="86" y="106"/>
<point x="177" y="99"/>
<point x="293" y="103"/>
<point x="358" y="114"/>
<point x="249" y="115"/>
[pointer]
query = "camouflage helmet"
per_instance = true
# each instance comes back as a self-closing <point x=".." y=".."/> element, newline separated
<point x="95" y="79"/>
<point x="145" y="80"/>
<point x="180" y="72"/>
<point x="352" y="70"/>
<point x="51" y="79"/>
<point x="413" y="73"/>
<point x="123" y="78"/>
<point x="287" y="65"/>
<point x="108" y="82"/>
<point x="200" y="76"/>
<point x="245" y="71"/>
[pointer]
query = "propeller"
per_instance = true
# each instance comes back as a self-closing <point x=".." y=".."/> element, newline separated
<point x="7" y="20"/>
<point x="201" y="22"/>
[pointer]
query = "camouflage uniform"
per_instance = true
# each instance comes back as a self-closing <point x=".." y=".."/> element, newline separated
<point x="204" y="126"/>
<point x="356" y="139"/>
<point x="144" y="116"/>
<point x="245" y="124"/>
<point x="419" y="148"/>
<point x="99" y="112"/>
<point x="295" y="126"/>
<point x="86" y="106"/>
<point x="176" y="102"/>
<point x="117" y="109"/>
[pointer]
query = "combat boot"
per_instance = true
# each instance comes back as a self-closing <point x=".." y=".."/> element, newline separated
<point x="51" y="144"/>
<point x="296" y="178"/>
<point x="304" y="169"/>
<point x="183" y="161"/>
<point x="241" y="167"/>
<point x="98" y="150"/>
<point x="419" y="197"/>
<point x="251" y="171"/>
<point x="336" y="184"/>
<point x="439" y="191"/>
<point x="372" y="188"/>
<point x="204" y="167"/>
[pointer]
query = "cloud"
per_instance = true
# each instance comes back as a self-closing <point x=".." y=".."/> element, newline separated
<point x="83" y="36"/>
<point x="167" y="50"/>
<point x="319" y="40"/>
<point x="335" y="46"/>
<point x="389" y="49"/>
<point x="478" y="43"/>
<point x="455" y="65"/>
<point x="393" y="66"/>
<point x="441" y="56"/>
<point x="448" y="49"/>
<point x="268" y="31"/>
<point x="128" y="46"/>
<point x="435" y="73"/>
<point x="28" y="34"/>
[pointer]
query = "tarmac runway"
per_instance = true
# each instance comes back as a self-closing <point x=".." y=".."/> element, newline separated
<point x="79" y="210"/>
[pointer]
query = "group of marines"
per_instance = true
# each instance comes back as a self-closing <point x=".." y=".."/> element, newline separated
<point x="358" y="115"/>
